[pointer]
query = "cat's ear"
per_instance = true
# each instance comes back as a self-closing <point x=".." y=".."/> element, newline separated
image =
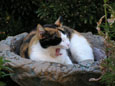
<point x="59" y="21"/>
<point x="40" y="29"/>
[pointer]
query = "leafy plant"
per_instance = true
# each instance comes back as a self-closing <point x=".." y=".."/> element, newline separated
<point x="3" y="67"/>
<point x="108" y="65"/>
<point x="76" y="13"/>
<point x="17" y="16"/>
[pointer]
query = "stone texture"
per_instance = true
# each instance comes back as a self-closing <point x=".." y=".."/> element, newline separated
<point x="96" y="40"/>
<point x="31" y="73"/>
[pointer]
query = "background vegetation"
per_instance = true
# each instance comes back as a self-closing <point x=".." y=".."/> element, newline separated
<point x="4" y="75"/>
<point x="18" y="16"/>
<point x="107" y="30"/>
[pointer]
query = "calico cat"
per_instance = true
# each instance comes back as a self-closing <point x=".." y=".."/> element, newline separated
<point x="46" y="43"/>
<point x="80" y="48"/>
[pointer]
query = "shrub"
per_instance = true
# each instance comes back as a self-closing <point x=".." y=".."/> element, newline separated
<point x="17" y="16"/>
<point x="81" y="14"/>
<point x="108" y="65"/>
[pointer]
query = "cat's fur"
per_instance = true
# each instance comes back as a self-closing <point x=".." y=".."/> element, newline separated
<point x="80" y="48"/>
<point x="43" y="43"/>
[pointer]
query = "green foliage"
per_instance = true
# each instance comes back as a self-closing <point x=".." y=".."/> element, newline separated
<point x="52" y="10"/>
<point x="2" y="67"/>
<point x="77" y="13"/>
<point x="2" y="83"/>
<point x="108" y="65"/>
<point x="109" y="24"/>
<point x="10" y="26"/>
<point x="18" y="16"/>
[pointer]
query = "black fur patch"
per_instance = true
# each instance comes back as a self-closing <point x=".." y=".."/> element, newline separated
<point x="50" y="40"/>
<point x="26" y="54"/>
<point x="62" y="31"/>
<point x="50" y="25"/>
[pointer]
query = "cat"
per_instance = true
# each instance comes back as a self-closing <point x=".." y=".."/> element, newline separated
<point x="46" y="43"/>
<point x="80" y="48"/>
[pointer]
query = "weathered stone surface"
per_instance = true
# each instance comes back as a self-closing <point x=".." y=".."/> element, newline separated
<point x="4" y="47"/>
<point x="31" y="73"/>
<point x="96" y="40"/>
<point x="99" y="54"/>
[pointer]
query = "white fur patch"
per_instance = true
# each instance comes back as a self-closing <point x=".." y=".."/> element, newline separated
<point x="65" y="43"/>
<point x="38" y="53"/>
<point x="80" y="48"/>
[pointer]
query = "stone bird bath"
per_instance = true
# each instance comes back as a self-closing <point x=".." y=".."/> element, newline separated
<point x="31" y="73"/>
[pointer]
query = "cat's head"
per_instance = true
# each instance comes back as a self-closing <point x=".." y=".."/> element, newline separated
<point x="50" y="36"/>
